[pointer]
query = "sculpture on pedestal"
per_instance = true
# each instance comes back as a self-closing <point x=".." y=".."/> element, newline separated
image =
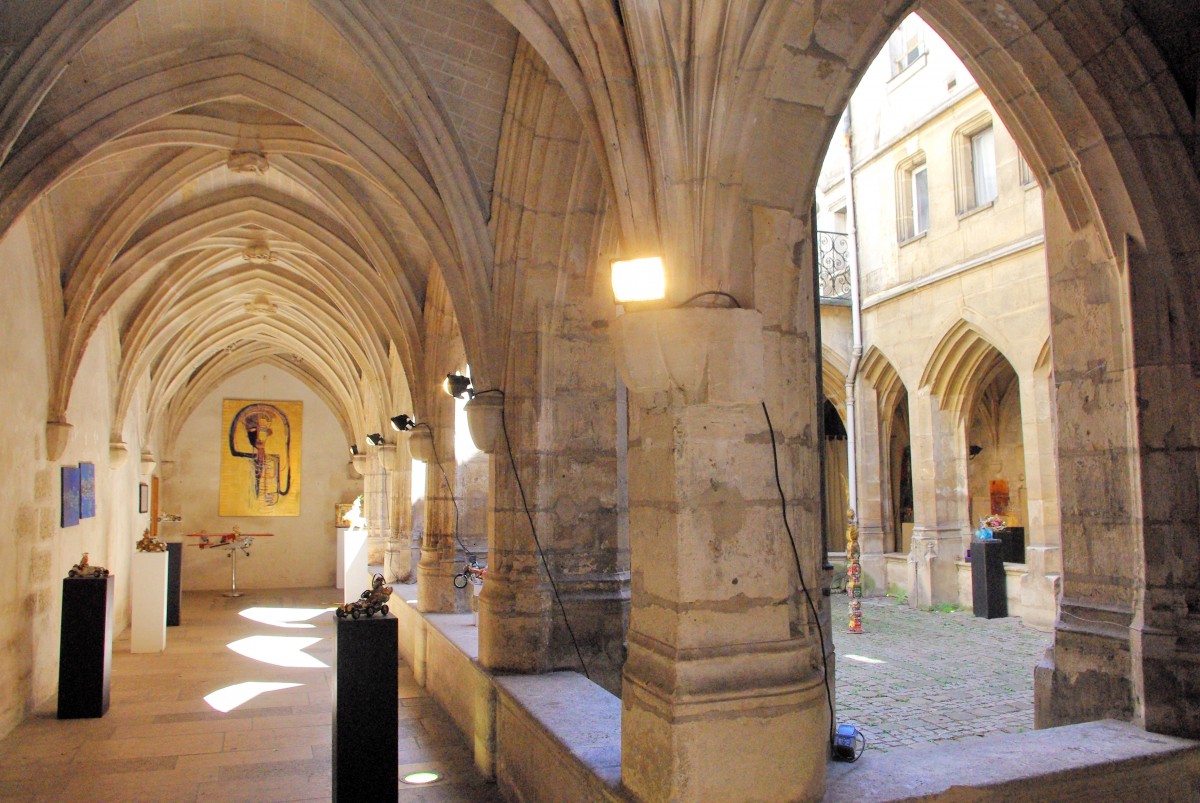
<point x="149" y="543"/>
<point x="85" y="571"/>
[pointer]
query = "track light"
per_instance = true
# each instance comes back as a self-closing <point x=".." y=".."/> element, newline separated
<point x="375" y="439"/>
<point x="354" y="450"/>
<point x="458" y="386"/>
<point x="402" y="423"/>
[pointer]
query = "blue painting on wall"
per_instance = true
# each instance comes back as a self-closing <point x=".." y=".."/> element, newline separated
<point x="70" y="496"/>
<point x="87" y="490"/>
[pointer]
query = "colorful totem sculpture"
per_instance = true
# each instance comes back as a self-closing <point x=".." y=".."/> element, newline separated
<point x="853" y="574"/>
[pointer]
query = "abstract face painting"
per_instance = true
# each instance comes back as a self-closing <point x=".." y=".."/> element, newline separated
<point x="260" y="458"/>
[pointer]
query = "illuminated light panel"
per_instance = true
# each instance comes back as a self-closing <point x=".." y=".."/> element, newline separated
<point x="230" y="697"/>
<point x="278" y="651"/>
<point x="862" y="659"/>
<point x="420" y="778"/>
<point x="283" y="617"/>
<point x="642" y="279"/>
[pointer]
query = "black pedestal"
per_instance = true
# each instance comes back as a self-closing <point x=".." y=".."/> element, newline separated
<point x="989" y="587"/>
<point x="1014" y="543"/>
<point x="174" y="582"/>
<point x="85" y="648"/>
<point x="365" y="710"/>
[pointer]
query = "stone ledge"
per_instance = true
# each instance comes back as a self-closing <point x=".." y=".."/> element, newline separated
<point x="575" y="718"/>
<point x="1091" y="761"/>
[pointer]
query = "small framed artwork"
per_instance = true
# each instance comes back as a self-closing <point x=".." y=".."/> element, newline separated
<point x="143" y="498"/>
<point x="87" y="490"/>
<point x="70" y="496"/>
<point x="339" y="514"/>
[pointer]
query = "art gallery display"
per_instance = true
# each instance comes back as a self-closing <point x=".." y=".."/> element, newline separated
<point x="70" y="496"/>
<point x="260" y="457"/>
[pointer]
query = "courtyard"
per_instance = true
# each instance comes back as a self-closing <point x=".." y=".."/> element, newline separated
<point x="914" y="677"/>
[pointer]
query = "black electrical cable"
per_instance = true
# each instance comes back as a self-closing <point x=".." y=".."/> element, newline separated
<point x="537" y="541"/>
<point x="720" y="293"/>
<point x="800" y="572"/>
<point x="450" y="490"/>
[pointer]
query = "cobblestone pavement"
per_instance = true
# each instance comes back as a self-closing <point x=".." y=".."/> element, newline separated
<point x="925" y="676"/>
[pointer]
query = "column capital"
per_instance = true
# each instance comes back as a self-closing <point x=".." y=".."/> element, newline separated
<point x="712" y="356"/>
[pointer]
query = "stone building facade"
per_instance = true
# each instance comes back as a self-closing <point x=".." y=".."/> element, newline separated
<point x="340" y="201"/>
<point x="952" y="387"/>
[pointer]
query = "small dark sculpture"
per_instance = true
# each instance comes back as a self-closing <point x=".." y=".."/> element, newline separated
<point x="85" y="571"/>
<point x="373" y="601"/>
<point x="149" y="543"/>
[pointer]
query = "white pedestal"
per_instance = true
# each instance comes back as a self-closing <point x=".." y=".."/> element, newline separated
<point x="148" y="602"/>
<point x="354" y="565"/>
<point x="341" y="556"/>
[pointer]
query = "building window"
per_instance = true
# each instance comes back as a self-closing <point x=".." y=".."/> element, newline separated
<point x="976" y="165"/>
<point x="912" y="199"/>
<point x="1027" y="177"/>
<point x="907" y="45"/>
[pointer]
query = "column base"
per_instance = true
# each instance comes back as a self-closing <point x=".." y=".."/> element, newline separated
<point x="763" y="736"/>
<point x="435" y="587"/>
<point x="1086" y="675"/>
<point x="933" y="570"/>
<point x="514" y="624"/>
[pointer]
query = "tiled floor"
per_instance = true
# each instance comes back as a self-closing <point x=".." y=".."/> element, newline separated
<point x="161" y="740"/>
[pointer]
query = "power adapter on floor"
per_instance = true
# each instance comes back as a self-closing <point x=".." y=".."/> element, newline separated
<point x="845" y="743"/>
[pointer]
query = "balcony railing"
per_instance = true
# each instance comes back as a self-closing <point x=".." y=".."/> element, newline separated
<point x="833" y="264"/>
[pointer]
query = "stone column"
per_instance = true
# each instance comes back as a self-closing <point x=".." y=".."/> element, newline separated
<point x="1088" y="674"/>
<point x="872" y="531"/>
<point x="723" y="694"/>
<point x="1043" y="539"/>
<point x="398" y="563"/>
<point x="441" y="558"/>
<point x="562" y="423"/>
<point x="939" y="501"/>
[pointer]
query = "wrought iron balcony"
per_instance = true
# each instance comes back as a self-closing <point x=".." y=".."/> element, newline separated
<point x="833" y="264"/>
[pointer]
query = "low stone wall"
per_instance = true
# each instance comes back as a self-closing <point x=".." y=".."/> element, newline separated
<point x="546" y="737"/>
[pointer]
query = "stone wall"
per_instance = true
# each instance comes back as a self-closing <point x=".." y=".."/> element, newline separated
<point x="302" y="551"/>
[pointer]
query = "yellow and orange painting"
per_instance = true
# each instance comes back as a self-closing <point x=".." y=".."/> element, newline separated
<point x="260" y="457"/>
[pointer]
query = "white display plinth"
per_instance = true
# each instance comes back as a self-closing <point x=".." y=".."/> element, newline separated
<point x="354" y="565"/>
<point x="148" y="602"/>
<point x="341" y="556"/>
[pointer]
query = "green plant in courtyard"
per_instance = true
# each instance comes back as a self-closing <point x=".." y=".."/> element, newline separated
<point x="897" y="593"/>
<point x="946" y="607"/>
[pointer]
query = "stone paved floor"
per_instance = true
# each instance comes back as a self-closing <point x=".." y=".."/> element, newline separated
<point x="161" y="741"/>
<point x="924" y="676"/>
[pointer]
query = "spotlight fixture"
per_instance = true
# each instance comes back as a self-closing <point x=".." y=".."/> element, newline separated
<point x="974" y="450"/>
<point x="375" y="439"/>
<point x="458" y="386"/>
<point x="354" y="450"/>
<point x="643" y="279"/>
<point x="402" y="423"/>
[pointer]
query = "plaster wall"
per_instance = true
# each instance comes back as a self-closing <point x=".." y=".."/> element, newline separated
<point x="302" y="551"/>
<point x="36" y="551"/>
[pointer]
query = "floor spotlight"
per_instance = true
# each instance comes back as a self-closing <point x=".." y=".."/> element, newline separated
<point x="402" y="423"/>
<point x="375" y="439"/>
<point x="458" y="386"/>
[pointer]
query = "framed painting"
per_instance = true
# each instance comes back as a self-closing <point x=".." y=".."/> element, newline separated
<point x="70" y="496"/>
<point x="143" y="498"/>
<point x="260" y="457"/>
<point x="339" y="513"/>
<point x="87" y="490"/>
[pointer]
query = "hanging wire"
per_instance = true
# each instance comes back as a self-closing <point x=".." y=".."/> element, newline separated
<point x="718" y="293"/>
<point x="449" y="489"/>
<point x="533" y="528"/>
<point x="799" y="571"/>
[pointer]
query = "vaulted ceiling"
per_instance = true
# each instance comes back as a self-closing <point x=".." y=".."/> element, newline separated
<point x="266" y="181"/>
